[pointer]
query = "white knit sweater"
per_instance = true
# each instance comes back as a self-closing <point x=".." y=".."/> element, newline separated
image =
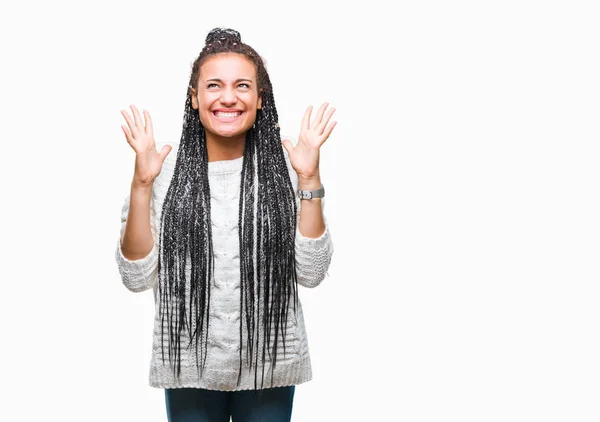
<point x="222" y="365"/>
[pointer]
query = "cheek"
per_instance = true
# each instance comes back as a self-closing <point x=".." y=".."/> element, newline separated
<point x="206" y="99"/>
<point x="252" y="115"/>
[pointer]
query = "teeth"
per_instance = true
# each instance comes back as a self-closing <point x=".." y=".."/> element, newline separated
<point x="223" y="114"/>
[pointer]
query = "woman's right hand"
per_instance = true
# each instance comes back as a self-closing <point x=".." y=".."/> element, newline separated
<point x="140" y="136"/>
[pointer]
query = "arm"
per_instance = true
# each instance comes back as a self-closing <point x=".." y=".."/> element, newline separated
<point x="136" y="237"/>
<point x="137" y="253"/>
<point x="137" y="250"/>
<point x="311" y="222"/>
<point x="313" y="247"/>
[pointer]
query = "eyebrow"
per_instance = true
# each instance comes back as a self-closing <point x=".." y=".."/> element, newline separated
<point x="237" y="80"/>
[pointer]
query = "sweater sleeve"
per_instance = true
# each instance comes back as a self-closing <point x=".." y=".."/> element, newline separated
<point x="313" y="255"/>
<point x="140" y="274"/>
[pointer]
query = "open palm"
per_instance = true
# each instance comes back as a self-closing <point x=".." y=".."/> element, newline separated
<point x="304" y="157"/>
<point x="140" y="136"/>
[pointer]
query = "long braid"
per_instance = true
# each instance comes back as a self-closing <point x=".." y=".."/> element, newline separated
<point x="276" y="221"/>
<point x="267" y="227"/>
<point x="186" y="235"/>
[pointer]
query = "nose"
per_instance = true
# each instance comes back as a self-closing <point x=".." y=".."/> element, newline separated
<point x="228" y="97"/>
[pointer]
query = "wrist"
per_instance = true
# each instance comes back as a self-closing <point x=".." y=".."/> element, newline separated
<point x="311" y="193"/>
<point x="140" y="187"/>
<point x="309" y="183"/>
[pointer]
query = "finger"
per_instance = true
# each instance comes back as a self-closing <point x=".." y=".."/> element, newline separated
<point x="137" y="117"/>
<point x="288" y="146"/>
<point x="149" y="129"/>
<point x="127" y="135"/>
<point x="164" y="152"/>
<point x="327" y="131"/>
<point x="324" y="121"/>
<point x="306" y="119"/>
<point x="130" y="122"/>
<point x="319" y="115"/>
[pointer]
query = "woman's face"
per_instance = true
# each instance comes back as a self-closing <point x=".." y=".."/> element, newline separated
<point x="227" y="96"/>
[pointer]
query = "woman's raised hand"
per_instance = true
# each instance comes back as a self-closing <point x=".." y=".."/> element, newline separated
<point x="140" y="136"/>
<point x="304" y="157"/>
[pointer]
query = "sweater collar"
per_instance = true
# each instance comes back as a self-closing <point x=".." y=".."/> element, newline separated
<point x="225" y="166"/>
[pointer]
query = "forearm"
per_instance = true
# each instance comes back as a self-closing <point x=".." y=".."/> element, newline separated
<point x="312" y="223"/>
<point x="313" y="243"/>
<point x="137" y="240"/>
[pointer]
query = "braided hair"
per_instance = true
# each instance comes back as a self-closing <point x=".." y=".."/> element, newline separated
<point x="267" y="227"/>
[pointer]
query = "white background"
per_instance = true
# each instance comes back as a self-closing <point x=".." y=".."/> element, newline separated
<point x="462" y="196"/>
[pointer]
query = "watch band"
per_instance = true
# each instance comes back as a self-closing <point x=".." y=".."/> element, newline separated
<point x="310" y="194"/>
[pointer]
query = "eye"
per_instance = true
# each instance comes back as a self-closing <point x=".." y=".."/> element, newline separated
<point x="212" y="85"/>
<point x="244" y="86"/>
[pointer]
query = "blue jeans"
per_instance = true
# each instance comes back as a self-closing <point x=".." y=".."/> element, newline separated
<point x="199" y="405"/>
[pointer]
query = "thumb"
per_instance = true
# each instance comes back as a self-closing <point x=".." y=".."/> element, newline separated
<point x="164" y="152"/>
<point x="287" y="144"/>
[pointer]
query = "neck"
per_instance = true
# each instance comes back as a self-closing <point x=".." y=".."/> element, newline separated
<point x="220" y="148"/>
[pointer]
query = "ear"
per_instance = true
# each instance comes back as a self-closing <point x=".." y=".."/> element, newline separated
<point x="259" y="106"/>
<point x="194" y="95"/>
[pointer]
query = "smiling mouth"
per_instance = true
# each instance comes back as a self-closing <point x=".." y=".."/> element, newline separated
<point x="227" y="115"/>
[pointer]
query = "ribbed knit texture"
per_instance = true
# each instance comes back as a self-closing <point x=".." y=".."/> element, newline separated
<point x="221" y="372"/>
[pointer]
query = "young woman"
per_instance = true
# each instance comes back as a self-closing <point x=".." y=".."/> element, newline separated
<point x="223" y="229"/>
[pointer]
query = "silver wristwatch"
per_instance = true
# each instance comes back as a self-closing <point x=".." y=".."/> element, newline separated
<point x="310" y="194"/>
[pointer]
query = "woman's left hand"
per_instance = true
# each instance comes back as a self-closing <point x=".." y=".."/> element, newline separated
<point x="304" y="157"/>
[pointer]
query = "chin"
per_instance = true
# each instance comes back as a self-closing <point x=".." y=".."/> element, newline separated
<point x="229" y="133"/>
